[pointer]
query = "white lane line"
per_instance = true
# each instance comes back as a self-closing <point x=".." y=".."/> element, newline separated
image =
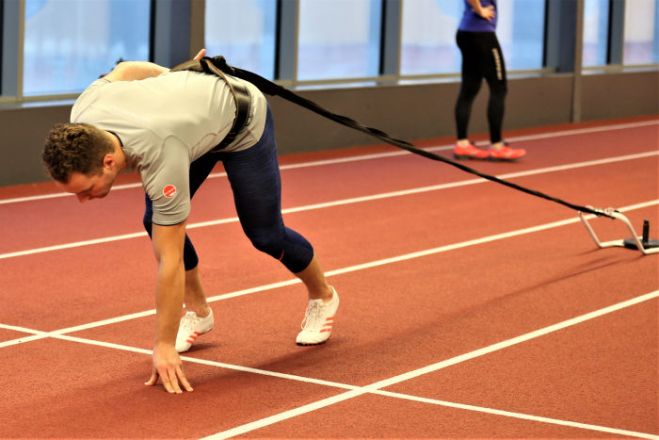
<point x="323" y="403"/>
<point x="20" y="329"/>
<point x="210" y="363"/>
<point x="354" y="268"/>
<point x="342" y="202"/>
<point x="151" y="312"/>
<point x="518" y="415"/>
<point x="580" y="131"/>
<point x="75" y="244"/>
<point x="22" y="340"/>
<point x="375" y="388"/>
<point x="373" y="156"/>
<point x="36" y="335"/>
<point x="482" y="240"/>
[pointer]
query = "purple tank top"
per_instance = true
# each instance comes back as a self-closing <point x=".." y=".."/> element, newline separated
<point x="472" y="22"/>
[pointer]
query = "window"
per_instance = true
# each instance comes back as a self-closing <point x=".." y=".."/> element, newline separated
<point x="339" y="39"/>
<point x="595" y="32"/>
<point x="428" y="36"/>
<point x="244" y="32"/>
<point x="429" y="28"/>
<point x="520" y="29"/>
<point x="641" y="32"/>
<point x="69" y="43"/>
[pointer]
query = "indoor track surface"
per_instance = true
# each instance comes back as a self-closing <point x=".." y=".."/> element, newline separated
<point x="468" y="309"/>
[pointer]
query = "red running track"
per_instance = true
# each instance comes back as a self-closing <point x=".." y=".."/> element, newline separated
<point x="468" y="309"/>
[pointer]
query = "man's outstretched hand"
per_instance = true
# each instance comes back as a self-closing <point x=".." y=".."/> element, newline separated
<point x="168" y="367"/>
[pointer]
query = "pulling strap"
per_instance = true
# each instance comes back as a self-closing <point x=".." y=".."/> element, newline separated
<point x="270" y="88"/>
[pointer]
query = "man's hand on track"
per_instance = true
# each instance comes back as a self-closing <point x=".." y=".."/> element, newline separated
<point x="168" y="367"/>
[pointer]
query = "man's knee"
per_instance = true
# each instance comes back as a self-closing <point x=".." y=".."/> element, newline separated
<point x="271" y="244"/>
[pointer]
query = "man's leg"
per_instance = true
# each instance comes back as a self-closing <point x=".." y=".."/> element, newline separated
<point x="315" y="282"/>
<point x="195" y="297"/>
<point x="255" y="181"/>
<point x="198" y="317"/>
<point x="256" y="184"/>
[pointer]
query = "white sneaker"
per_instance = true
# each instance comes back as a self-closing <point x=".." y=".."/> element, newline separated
<point x="190" y="327"/>
<point x="318" y="321"/>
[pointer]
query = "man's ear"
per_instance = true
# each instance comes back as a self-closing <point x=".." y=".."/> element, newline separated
<point x="109" y="161"/>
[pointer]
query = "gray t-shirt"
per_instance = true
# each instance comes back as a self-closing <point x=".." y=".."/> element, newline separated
<point x="166" y="122"/>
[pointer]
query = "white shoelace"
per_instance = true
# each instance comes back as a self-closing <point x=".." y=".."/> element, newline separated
<point x="189" y="321"/>
<point x="312" y="315"/>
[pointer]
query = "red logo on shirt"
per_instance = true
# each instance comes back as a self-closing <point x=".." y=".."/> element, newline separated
<point x="169" y="191"/>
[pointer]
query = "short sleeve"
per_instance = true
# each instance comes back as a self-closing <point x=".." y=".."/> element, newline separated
<point x="167" y="183"/>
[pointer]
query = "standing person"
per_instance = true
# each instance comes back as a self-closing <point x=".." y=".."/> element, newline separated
<point x="173" y="127"/>
<point x="481" y="58"/>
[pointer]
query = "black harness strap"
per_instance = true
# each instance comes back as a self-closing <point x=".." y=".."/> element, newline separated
<point x="270" y="88"/>
<point x="238" y="91"/>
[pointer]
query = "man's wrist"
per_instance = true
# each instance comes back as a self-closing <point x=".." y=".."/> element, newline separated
<point x="160" y="343"/>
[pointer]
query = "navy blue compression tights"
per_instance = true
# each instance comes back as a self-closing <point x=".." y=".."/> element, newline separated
<point x="256" y="185"/>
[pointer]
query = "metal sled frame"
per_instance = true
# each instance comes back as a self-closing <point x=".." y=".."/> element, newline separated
<point x="617" y="243"/>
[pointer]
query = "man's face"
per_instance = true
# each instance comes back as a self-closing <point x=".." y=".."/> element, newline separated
<point x="87" y="187"/>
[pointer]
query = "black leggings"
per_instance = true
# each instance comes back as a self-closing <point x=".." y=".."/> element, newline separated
<point x="481" y="58"/>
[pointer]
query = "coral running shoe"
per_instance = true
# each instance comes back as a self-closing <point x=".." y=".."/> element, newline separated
<point x="506" y="153"/>
<point x="190" y="328"/>
<point x="469" y="151"/>
<point x="318" y="321"/>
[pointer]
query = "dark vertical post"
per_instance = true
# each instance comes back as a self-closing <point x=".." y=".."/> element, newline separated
<point x="616" y="39"/>
<point x="287" y="39"/>
<point x="391" y="37"/>
<point x="12" y="28"/>
<point x="171" y="30"/>
<point x="564" y="43"/>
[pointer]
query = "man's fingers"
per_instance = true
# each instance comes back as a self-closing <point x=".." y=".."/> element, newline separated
<point x="164" y="378"/>
<point x="167" y="366"/>
<point x="153" y="379"/>
<point x="183" y="379"/>
<point x="173" y="380"/>
<point x="200" y="55"/>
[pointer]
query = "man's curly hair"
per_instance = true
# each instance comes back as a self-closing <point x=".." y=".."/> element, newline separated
<point x="75" y="148"/>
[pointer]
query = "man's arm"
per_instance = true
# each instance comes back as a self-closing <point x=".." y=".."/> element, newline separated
<point x="134" y="70"/>
<point x="168" y="247"/>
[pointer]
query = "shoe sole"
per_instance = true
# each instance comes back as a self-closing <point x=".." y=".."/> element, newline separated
<point x="310" y="344"/>
<point x="464" y="157"/>
<point x="504" y="159"/>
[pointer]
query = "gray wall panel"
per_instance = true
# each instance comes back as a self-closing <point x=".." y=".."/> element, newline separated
<point x="621" y="95"/>
<point x="415" y="112"/>
<point x="22" y="132"/>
